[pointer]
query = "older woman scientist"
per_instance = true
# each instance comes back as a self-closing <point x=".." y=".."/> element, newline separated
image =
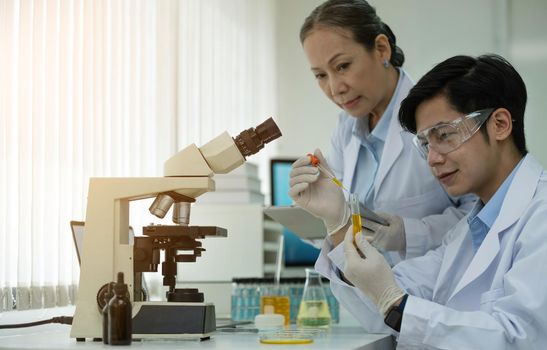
<point x="356" y="62"/>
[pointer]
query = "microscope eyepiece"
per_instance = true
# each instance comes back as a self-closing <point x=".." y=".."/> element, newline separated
<point x="252" y="140"/>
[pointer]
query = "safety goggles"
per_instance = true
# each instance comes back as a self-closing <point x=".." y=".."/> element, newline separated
<point x="446" y="137"/>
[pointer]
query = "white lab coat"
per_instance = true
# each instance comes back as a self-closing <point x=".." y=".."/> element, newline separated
<point x="493" y="299"/>
<point x="403" y="184"/>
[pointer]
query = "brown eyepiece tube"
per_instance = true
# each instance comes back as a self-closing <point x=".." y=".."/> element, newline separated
<point x="252" y="140"/>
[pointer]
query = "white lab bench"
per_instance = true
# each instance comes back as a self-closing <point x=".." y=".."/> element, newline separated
<point x="56" y="336"/>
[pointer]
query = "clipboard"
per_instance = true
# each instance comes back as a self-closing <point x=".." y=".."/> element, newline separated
<point x="307" y="226"/>
<point x="368" y="214"/>
<point x="297" y="220"/>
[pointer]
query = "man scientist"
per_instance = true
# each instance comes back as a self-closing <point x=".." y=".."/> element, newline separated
<point x="485" y="286"/>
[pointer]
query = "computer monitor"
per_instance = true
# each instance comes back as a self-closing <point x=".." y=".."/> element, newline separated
<point x="279" y="184"/>
<point x="297" y="252"/>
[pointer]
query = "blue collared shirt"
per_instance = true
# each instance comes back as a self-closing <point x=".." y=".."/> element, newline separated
<point x="482" y="217"/>
<point x="370" y="152"/>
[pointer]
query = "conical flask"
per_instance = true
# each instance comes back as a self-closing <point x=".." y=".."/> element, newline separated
<point x="314" y="309"/>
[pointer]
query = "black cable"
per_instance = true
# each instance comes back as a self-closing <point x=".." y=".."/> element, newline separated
<point x="59" y="319"/>
<point x="233" y="324"/>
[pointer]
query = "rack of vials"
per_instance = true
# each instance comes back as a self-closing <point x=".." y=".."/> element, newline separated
<point x="247" y="294"/>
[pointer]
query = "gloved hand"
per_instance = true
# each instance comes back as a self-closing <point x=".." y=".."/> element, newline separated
<point x="371" y="274"/>
<point x="386" y="238"/>
<point x="317" y="194"/>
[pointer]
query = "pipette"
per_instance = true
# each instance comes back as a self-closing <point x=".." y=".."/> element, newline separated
<point x="316" y="163"/>
<point x="353" y="200"/>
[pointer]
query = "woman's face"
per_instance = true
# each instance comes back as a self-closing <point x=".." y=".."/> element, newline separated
<point x="350" y="75"/>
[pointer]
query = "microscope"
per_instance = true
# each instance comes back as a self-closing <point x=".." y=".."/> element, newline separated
<point x="107" y="249"/>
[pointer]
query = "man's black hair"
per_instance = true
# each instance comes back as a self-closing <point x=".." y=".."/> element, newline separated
<point x="470" y="84"/>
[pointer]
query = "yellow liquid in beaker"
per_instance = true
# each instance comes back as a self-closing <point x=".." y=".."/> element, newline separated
<point x="313" y="313"/>
<point x="280" y="303"/>
<point x="356" y="221"/>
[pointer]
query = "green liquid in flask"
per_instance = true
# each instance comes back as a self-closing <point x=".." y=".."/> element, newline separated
<point x="313" y="313"/>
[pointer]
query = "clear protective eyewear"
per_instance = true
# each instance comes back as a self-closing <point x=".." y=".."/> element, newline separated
<point x="446" y="137"/>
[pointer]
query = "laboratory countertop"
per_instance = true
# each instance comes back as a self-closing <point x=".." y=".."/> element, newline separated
<point x="57" y="336"/>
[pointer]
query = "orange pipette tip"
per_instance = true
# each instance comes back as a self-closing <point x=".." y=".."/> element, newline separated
<point x="313" y="159"/>
<point x="315" y="162"/>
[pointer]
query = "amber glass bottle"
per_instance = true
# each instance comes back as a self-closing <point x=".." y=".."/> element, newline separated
<point x="119" y="315"/>
<point x="107" y="296"/>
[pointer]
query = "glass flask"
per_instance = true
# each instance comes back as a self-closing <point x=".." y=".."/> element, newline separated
<point x="314" y="309"/>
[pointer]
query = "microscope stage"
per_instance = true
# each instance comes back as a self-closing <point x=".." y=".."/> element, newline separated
<point x="189" y="231"/>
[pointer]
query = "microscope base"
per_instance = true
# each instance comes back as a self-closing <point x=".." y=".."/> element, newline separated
<point x="173" y="320"/>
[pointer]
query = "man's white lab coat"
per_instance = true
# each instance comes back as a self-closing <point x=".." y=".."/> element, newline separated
<point x="495" y="298"/>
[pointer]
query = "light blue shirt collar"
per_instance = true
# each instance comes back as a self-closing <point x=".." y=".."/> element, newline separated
<point x="371" y="148"/>
<point x="482" y="216"/>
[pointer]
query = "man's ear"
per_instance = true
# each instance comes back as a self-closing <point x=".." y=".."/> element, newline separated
<point x="501" y="124"/>
<point x="382" y="48"/>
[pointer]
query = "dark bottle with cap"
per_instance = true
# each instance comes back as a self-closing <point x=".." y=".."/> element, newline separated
<point x="119" y="315"/>
<point x="107" y="296"/>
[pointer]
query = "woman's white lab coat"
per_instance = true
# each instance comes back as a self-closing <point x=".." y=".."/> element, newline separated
<point x="493" y="299"/>
<point x="403" y="184"/>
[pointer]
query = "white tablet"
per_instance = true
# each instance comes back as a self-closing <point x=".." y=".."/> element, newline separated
<point x="297" y="220"/>
<point x="307" y="226"/>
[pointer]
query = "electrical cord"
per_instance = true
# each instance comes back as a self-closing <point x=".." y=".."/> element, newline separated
<point x="233" y="324"/>
<point x="59" y="319"/>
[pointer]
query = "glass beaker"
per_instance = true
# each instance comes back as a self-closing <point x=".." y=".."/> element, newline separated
<point x="314" y="309"/>
<point x="277" y="297"/>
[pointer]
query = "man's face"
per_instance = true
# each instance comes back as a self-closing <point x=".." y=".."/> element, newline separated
<point x="467" y="169"/>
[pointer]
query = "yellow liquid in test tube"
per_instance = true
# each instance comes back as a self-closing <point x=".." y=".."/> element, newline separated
<point x="356" y="222"/>
<point x="355" y="213"/>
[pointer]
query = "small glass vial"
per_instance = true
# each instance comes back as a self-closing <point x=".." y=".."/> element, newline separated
<point x="236" y="299"/>
<point x="314" y="309"/>
<point x="119" y="315"/>
<point x="254" y="298"/>
<point x="246" y="301"/>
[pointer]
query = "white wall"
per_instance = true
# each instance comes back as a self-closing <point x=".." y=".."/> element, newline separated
<point x="528" y="52"/>
<point x="305" y="115"/>
<point x="428" y="31"/>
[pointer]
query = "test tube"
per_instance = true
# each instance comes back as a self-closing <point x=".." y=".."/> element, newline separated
<point x="355" y="213"/>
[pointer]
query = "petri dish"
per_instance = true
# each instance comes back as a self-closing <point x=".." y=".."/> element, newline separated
<point x="287" y="336"/>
